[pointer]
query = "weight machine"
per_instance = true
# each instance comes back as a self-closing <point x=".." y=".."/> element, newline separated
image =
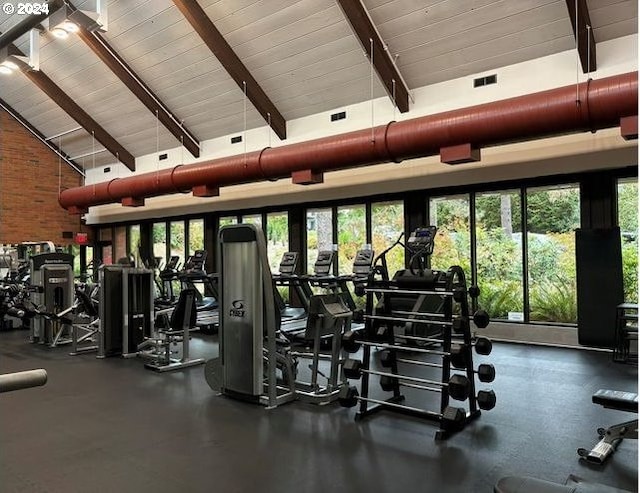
<point x="51" y="293"/>
<point x="257" y="363"/>
<point x="125" y="309"/>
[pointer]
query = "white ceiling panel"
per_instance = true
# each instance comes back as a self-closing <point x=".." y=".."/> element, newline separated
<point x="303" y="53"/>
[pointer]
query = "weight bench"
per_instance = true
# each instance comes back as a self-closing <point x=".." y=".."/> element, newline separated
<point x="611" y="437"/>
<point x="574" y="484"/>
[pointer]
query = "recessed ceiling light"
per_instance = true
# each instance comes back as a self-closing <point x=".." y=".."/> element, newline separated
<point x="70" y="27"/>
<point x="5" y="70"/>
<point x="58" y="32"/>
<point x="9" y="64"/>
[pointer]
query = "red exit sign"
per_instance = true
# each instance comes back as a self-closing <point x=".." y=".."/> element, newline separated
<point x="82" y="238"/>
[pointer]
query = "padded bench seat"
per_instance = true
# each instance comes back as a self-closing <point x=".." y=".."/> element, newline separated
<point x="616" y="399"/>
<point x="521" y="484"/>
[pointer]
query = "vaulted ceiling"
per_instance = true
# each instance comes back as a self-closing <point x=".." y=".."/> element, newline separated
<point x="303" y="54"/>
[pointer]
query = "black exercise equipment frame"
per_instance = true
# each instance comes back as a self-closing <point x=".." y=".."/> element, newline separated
<point x="380" y="289"/>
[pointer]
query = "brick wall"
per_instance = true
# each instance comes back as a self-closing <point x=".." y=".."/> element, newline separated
<point x="29" y="209"/>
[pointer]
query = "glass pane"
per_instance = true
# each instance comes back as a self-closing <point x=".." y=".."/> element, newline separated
<point x="75" y="251"/>
<point x="628" y="222"/>
<point x="176" y="239"/>
<point x="277" y="238"/>
<point x="253" y="219"/>
<point x="120" y="243"/>
<point x="453" y="240"/>
<point x="552" y="215"/>
<point x="107" y="257"/>
<point x="159" y="233"/>
<point x="134" y="243"/>
<point x="387" y="223"/>
<point x="352" y="235"/>
<point x="226" y="220"/>
<point x="196" y="235"/>
<point x="92" y="268"/>
<point x="319" y="234"/>
<point x="499" y="254"/>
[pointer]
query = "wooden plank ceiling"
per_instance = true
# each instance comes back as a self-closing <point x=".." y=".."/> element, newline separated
<point x="302" y="53"/>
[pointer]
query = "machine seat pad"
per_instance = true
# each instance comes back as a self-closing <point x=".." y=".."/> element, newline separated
<point x="207" y="303"/>
<point x="615" y="399"/>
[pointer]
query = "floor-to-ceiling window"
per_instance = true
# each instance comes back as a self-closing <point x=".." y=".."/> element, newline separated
<point x="277" y="238"/>
<point x="120" y="243"/>
<point x="133" y="247"/>
<point x="319" y="234"/>
<point x="628" y="222"/>
<point x="387" y="223"/>
<point x="196" y="235"/>
<point x="553" y="213"/>
<point x="352" y="235"/>
<point x="255" y="219"/>
<point x="498" y="220"/>
<point x="226" y="220"/>
<point x="177" y="239"/>
<point x="159" y="234"/>
<point x="453" y="239"/>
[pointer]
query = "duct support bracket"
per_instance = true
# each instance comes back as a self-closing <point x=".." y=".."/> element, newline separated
<point x="133" y="202"/>
<point x="307" y="177"/>
<point x="205" y="191"/>
<point x="77" y="210"/>
<point x="629" y="127"/>
<point x="459" y="154"/>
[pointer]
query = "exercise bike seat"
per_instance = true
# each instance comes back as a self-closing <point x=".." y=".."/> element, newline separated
<point x="615" y="399"/>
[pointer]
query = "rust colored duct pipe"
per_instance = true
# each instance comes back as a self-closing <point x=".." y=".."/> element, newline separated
<point x="602" y="103"/>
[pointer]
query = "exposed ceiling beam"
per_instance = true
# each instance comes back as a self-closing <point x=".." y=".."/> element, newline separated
<point x="29" y="22"/>
<point x="583" y="33"/>
<point x="38" y="135"/>
<point x="51" y="89"/>
<point x="40" y="79"/>
<point x="367" y="33"/>
<point x="125" y="73"/>
<point x="201" y="23"/>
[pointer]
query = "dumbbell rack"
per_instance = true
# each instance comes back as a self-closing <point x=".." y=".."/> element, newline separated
<point x="450" y="289"/>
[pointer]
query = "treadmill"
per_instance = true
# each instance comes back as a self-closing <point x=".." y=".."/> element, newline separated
<point x="287" y="277"/>
<point x="192" y="275"/>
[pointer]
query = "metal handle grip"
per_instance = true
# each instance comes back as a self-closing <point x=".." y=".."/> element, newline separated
<point x="22" y="380"/>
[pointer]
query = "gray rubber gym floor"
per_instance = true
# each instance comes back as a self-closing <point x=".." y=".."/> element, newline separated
<point x="110" y="425"/>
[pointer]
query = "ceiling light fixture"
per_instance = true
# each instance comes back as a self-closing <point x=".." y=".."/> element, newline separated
<point x="10" y="64"/>
<point x="60" y="33"/>
<point x="68" y="20"/>
<point x="70" y="27"/>
<point x="11" y="58"/>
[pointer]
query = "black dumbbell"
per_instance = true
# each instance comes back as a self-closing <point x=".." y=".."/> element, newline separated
<point x="474" y="291"/>
<point x="486" y="400"/>
<point x="481" y="319"/>
<point x="483" y="346"/>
